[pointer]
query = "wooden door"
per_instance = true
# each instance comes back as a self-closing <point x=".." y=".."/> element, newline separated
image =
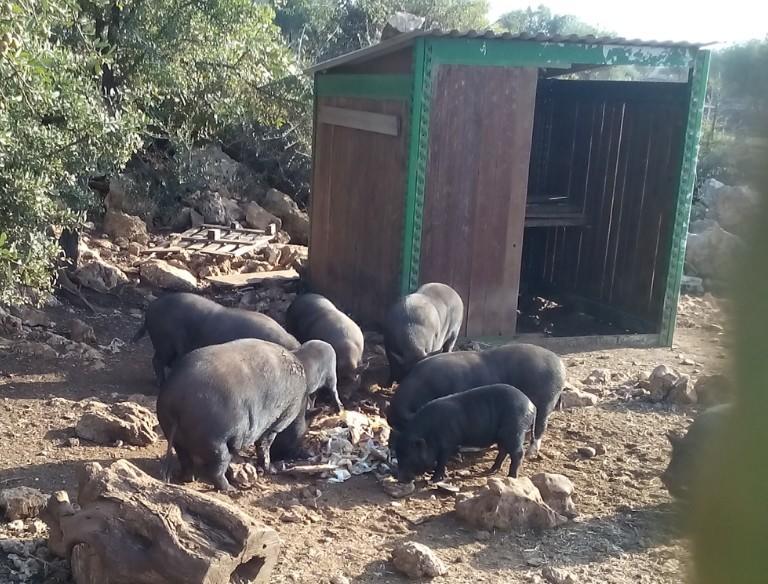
<point x="481" y="122"/>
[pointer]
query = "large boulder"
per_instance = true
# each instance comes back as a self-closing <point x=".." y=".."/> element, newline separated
<point x="100" y="275"/>
<point x="119" y="225"/>
<point x="556" y="491"/>
<point x="510" y="504"/>
<point x="711" y="253"/>
<point x="125" y="421"/>
<point x="21" y="503"/>
<point x="257" y="217"/>
<point x="734" y="207"/>
<point x="212" y="166"/>
<point x="295" y="221"/>
<point x="416" y="560"/>
<point x="210" y="205"/>
<point x="161" y="274"/>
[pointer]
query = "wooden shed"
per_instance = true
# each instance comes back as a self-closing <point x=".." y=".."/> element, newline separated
<point x="555" y="203"/>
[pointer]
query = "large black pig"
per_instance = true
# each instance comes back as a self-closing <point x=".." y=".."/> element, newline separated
<point x="420" y="324"/>
<point x="312" y="316"/>
<point x="691" y="450"/>
<point x="223" y="398"/>
<point x="182" y="322"/>
<point x="480" y="417"/>
<point x="535" y="371"/>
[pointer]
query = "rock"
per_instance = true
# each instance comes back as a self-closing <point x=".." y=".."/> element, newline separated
<point x="711" y="253"/>
<point x="401" y="22"/>
<point x="708" y="191"/>
<point x="233" y="210"/>
<point x="34" y="349"/>
<point x="586" y="452"/>
<point x="21" y="503"/>
<point x="195" y="538"/>
<point x="398" y="490"/>
<point x="134" y="249"/>
<point x="81" y="332"/>
<point x="556" y="491"/>
<point x="661" y="382"/>
<point x="120" y="225"/>
<point x="100" y="276"/>
<point x="508" y="503"/>
<point x="339" y="579"/>
<point x="72" y="442"/>
<point x="182" y="220"/>
<point x="126" y="421"/>
<point x="295" y="221"/>
<point x="214" y="167"/>
<point x="557" y="576"/>
<point x="683" y="392"/>
<point x="243" y="476"/>
<point x="293" y="256"/>
<point x="713" y="390"/>
<point x="575" y="398"/>
<point x="734" y="207"/>
<point x="161" y="274"/>
<point x="16" y="525"/>
<point x="256" y="217"/>
<point x="10" y="325"/>
<point x="416" y="560"/>
<point x="692" y="285"/>
<point x="599" y="376"/>
<point x="195" y="218"/>
<point x="600" y="449"/>
<point x="209" y="204"/>
<point x="32" y="316"/>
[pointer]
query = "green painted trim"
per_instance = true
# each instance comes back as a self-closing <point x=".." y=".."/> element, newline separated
<point x="698" y="94"/>
<point x="498" y="52"/>
<point x="368" y="86"/>
<point x="418" y="152"/>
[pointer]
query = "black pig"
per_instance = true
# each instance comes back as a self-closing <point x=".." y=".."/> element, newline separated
<point x="535" y="371"/>
<point x="182" y="322"/>
<point x="424" y="323"/>
<point x="224" y="398"/>
<point x="480" y="417"/>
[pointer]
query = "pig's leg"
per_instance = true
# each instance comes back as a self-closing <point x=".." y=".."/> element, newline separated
<point x="450" y="342"/>
<point x="513" y="441"/>
<point x="219" y="459"/>
<point x="187" y="466"/>
<point x="499" y="460"/>
<point x="442" y="460"/>
<point x="158" y="364"/>
<point x="539" y="427"/>
<point x="263" y="446"/>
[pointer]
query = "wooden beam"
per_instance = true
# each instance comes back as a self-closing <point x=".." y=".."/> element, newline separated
<point x="360" y="120"/>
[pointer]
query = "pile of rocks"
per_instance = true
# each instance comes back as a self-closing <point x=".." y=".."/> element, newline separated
<point x="719" y="221"/>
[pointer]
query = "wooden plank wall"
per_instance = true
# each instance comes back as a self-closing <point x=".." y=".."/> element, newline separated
<point x="615" y="149"/>
<point x="474" y="200"/>
<point x="358" y="193"/>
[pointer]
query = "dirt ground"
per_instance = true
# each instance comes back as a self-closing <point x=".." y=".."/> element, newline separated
<point x="626" y="532"/>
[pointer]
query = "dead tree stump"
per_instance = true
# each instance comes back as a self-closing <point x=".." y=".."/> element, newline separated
<point x="133" y="529"/>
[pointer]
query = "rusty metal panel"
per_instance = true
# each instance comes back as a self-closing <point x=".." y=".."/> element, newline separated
<point x="476" y="186"/>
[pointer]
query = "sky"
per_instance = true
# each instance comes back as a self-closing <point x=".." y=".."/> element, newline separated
<point x="676" y="20"/>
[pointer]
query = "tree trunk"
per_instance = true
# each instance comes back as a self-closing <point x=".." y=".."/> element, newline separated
<point x="134" y="529"/>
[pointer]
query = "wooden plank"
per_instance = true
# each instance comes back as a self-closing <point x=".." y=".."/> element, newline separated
<point x="241" y="280"/>
<point x="357" y="212"/>
<point x="360" y="120"/>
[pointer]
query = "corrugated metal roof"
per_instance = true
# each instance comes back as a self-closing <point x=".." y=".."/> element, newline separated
<point x="405" y="39"/>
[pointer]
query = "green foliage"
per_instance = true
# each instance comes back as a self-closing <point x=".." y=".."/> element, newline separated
<point x="321" y="29"/>
<point x="542" y="21"/>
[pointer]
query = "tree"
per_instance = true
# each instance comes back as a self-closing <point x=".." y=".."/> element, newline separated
<point x="321" y="29"/>
<point x="542" y="21"/>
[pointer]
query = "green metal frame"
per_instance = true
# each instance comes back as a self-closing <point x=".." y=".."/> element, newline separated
<point x="418" y="152"/>
<point x="363" y="86"/>
<point x="698" y="92"/>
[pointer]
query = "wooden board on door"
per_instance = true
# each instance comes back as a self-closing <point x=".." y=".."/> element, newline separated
<point x="481" y="123"/>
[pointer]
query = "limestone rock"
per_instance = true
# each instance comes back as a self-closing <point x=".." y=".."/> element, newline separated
<point x="120" y="225"/>
<point x="510" y="504"/>
<point x="21" y="503"/>
<point x="100" y="275"/>
<point x="81" y="332"/>
<point x="125" y="421"/>
<point x="661" y="381"/>
<point x="256" y="217"/>
<point x="575" y="398"/>
<point x="161" y="274"/>
<point x="556" y="491"/>
<point x="416" y="560"/>
<point x="295" y="221"/>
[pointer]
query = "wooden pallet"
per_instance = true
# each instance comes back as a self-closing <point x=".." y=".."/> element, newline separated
<point x="216" y="240"/>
